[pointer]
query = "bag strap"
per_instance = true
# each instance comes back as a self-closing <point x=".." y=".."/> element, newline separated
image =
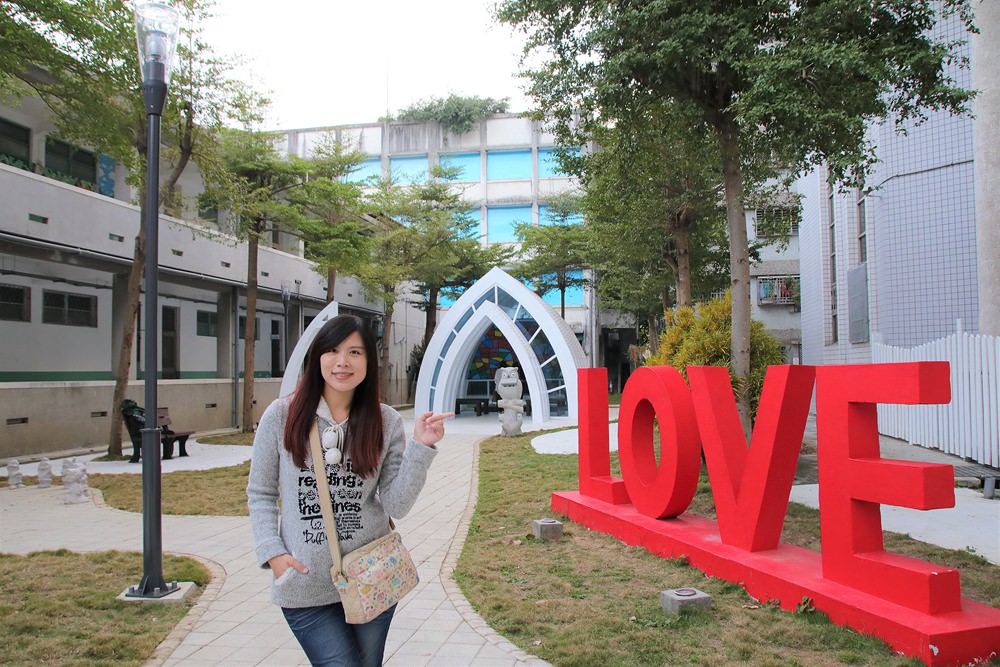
<point x="325" y="500"/>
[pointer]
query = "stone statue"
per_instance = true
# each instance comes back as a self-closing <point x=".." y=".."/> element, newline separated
<point x="14" y="474"/>
<point x="509" y="387"/>
<point x="75" y="480"/>
<point x="44" y="473"/>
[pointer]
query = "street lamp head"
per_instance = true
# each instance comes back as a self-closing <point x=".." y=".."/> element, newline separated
<point x="156" y="27"/>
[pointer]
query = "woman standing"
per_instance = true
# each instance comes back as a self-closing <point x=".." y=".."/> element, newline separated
<point x="372" y="472"/>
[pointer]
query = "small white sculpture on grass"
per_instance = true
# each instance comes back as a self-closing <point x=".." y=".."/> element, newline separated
<point x="14" y="474"/>
<point x="75" y="480"/>
<point x="509" y="387"/>
<point x="44" y="473"/>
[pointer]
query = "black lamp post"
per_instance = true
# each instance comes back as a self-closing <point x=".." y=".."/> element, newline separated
<point x="156" y="26"/>
<point x="286" y="297"/>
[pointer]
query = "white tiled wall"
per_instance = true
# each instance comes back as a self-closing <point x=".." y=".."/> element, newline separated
<point x="921" y="239"/>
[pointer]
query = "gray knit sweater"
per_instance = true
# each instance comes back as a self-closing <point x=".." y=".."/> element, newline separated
<point x="361" y="505"/>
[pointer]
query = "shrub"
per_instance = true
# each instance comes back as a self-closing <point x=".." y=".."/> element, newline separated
<point x="456" y="113"/>
<point x="701" y="338"/>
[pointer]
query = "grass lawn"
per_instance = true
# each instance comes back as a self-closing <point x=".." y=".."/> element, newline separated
<point x="587" y="599"/>
<point x="60" y="608"/>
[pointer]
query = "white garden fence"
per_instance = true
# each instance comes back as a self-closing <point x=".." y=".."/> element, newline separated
<point x="969" y="426"/>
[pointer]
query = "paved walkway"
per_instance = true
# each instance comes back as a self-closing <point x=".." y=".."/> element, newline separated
<point x="234" y="622"/>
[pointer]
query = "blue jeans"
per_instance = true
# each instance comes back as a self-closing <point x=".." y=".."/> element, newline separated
<point x="330" y="641"/>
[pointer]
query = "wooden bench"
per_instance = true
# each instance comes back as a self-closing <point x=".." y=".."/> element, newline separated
<point x="481" y="405"/>
<point x="135" y="421"/>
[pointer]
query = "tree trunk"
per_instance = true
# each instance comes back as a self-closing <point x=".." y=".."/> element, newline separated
<point x="128" y="335"/>
<point x="431" y="321"/>
<point x="682" y="282"/>
<point x="384" y="361"/>
<point x="250" y="334"/>
<point x="654" y="334"/>
<point x="739" y="260"/>
<point x="331" y="285"/>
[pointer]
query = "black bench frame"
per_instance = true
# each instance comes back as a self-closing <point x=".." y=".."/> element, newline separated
<point x="481" y="405"/>
<point x="135" y="421"/>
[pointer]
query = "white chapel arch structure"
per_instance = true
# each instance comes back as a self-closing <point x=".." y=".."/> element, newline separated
<point x="545" y="347"/>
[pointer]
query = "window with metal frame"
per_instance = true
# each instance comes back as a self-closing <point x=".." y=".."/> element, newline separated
<point x="777" y="221"/>
<point x="243" y="327"/>
<point x="76" y="310"/>
<point x="15" y="144"/>
<point x="15" y="303"/>
<point x="69" y="163"/>
<point x="208" y="323"/>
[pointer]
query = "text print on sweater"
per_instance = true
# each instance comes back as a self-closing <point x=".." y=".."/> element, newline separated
<point x="346" y="488"/>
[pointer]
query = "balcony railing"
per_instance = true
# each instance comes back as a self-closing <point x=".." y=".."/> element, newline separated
<point x="777" y="291"/>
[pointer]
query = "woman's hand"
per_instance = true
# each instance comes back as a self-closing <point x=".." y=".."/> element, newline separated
<point x="281" y="563"/>
<point x="429" y="427"/>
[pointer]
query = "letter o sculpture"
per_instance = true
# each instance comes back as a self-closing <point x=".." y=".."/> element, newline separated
<point x="664" y="490"/>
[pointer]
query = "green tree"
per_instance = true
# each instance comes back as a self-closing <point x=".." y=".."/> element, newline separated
<point x="80" y="59"/>
<point x="389" y="265"/>
<point x="782" y="84"/>
<point x="256" y="199"/>
<point x="448" y="256"/>
<point x="652" y="193"/>
<point x="553" y="254"/>
<point x="456" y="113"/>
<point x="328" y="210"/>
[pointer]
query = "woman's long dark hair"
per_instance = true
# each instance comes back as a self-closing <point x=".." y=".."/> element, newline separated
<point x="364" y="426"/>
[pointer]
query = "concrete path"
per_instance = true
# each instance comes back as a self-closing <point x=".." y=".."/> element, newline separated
<point x="234" y="622"/>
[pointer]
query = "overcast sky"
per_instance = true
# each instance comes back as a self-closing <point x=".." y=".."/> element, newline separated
<point x="327" y="62"/>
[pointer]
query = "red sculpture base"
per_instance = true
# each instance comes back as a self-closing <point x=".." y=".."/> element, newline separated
<point x="787" y="574"/>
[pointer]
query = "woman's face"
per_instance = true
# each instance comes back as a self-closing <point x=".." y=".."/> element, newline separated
<point x="345" y="366"/>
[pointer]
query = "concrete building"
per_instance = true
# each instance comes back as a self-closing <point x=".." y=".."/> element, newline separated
<point x="774" y="279"/>
<point x="897" y="263"/>
<point x="67" y="229"/>
<point x="66" y="232"/>
<point x="508" y="171"/>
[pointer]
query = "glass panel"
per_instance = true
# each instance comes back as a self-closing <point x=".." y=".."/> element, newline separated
<point x="53" y="306"/>
<point x="14" y="303"/>
<point x="207" y="323"/>
<point x="479" y="387"/>
<point x="548" y="166"/>
<point x="469" y="165"/>
<point x="80" y="311"/>
<point x="447" y="344"/>
<point x="553" y="373"/>
<point x="508" y="165"/>
<point x="542" y="348"/>
<point x="506" y="303"/>
<point x="15" y="142"/>
<point x="489" y="296"/>
<point x="527" y="324"/>
<point x="84" y="166"/>
<point x="547" y="217"/>
<point x="462" y="320"/>
<point x="492" y="352"/>
<point x="409" y="169"/>
<point x="558" y="403"/>
<point x="437" y="372"/>
<point x="371" y="168"/>
<point x="57" y="156"/>
<point x="500" y="222"/>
